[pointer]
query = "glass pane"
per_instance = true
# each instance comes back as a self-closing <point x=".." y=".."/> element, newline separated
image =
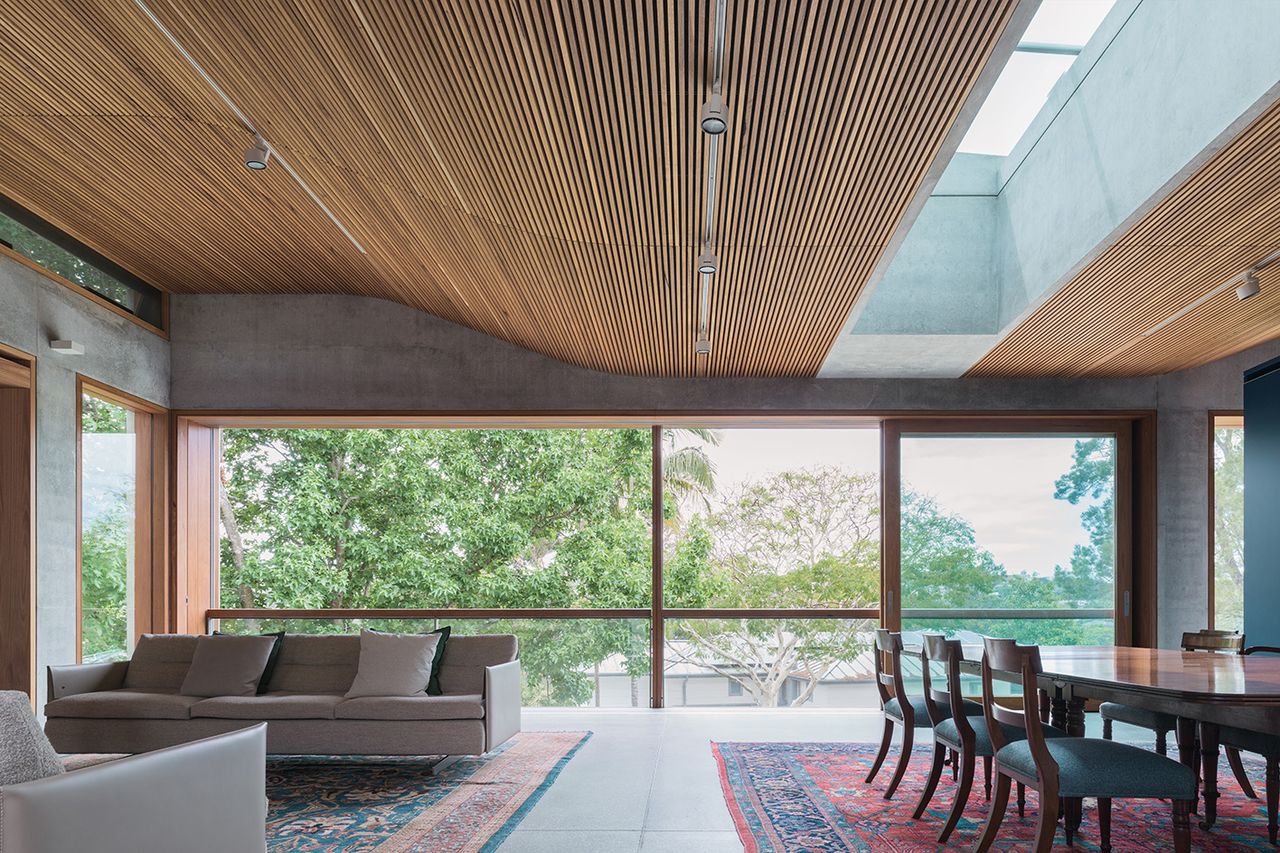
<point x="587" y="663"/>
<point x="1024" y="84"/>
<point x="140" y="300"/>
<point x="772" y="518"/>
<point x="998" y="523"/>
<point x="353" y="518"/>
<point x="108" y="511"/>
<point x="1228" y="524"/>
<point x="770" y="663"/>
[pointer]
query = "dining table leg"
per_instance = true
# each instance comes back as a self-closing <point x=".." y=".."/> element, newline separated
<point x="1209" y="759"/>
<point x="1067" y="713"/>
<point x="1186" y="736"/>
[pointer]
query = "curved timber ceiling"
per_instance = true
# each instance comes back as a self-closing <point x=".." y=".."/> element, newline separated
<point x="531" y="170"/>
<point x="1123" y="314"/>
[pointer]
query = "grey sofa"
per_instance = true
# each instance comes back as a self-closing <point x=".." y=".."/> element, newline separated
<point x="135" y="706"/>
<point x="203" y="797"/>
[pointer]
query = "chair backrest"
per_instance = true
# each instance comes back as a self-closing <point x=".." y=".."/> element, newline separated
<point x="889" y="672"/>
<point x="949" y="703"/>
<point x="1007" y="656"/>
<point x="1227" y="642"/>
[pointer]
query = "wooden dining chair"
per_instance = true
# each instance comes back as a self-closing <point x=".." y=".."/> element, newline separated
<point x="1070" y="767"/>
<point x="1220" y="642"/>
<point x="899" y="708"/>
<point x="957" y="730"/>
<point x="1236" y="740"/>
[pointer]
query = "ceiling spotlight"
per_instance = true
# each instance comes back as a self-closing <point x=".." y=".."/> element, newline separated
<point x="702" y="347"/>
<point x="255" y="159"/>
<point x="1249" y="287"/>
<point x="714" y="119"/>
<point x="707" y="261"/>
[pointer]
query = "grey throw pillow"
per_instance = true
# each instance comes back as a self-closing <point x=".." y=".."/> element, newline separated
<point x="25" y="753"/>
<point x="227" y="666"/>
<point x="393" y="664"/>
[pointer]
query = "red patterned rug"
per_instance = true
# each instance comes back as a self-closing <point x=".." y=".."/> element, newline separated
<point x="791" y="797"/>
<point x="391" y="805"/>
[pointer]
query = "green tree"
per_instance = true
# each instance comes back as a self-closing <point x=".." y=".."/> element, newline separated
<point x="1089" y="579"/>
<point x="1228" y="528"/>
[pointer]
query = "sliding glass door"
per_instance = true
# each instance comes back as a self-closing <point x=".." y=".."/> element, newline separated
<point x="1019" y="534"/>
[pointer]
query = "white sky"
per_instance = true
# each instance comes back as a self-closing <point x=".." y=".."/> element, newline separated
<point x="1002" y="485"/>
<point x="1023" y="86"/>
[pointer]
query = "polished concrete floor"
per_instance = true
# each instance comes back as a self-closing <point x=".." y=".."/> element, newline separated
<point x="646" y="781"/>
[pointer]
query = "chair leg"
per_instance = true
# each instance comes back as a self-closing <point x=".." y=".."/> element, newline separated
<point x="986" y="775"/>
<point x="1104" y="824"/>
<point x="903" y="760"/>
<point x="885" y="740"/>
<point x="998" y="804"/>
<point x="1068" y="823"/>
<point x="962" y="796"/>
<point x="1237" y="767"/>
<point x="935" y="773"/>
<point x="955" y="764"/>
<point x="1046" y="823"/>
<point x="1162" y="742"/>
<point x="1182" y="826"/>
<point x="1022" y="800"/>
<point x="1273" y="794"/>
<point x="1106" y="728"/>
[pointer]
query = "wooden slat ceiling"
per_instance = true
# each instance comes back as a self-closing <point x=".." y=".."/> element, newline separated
<point x="532" y="170"/>
<point x="1221" y="221"/>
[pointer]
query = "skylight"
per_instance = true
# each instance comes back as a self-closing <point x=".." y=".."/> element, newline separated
<point x="1048" y="48"/>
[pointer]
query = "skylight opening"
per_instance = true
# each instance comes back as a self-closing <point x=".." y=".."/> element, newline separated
<point x="1053" y="39"/>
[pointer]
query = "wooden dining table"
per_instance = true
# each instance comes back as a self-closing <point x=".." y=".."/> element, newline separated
<point x="1203" y="690"/>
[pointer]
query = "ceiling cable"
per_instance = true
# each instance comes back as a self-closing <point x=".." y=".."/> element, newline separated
<point x="246" y="124"/>
<point x="1248" y="287"/>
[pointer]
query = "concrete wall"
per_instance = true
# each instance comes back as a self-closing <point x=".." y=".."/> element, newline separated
<point x="33" y="311"/>
<point x="333" y="352"/>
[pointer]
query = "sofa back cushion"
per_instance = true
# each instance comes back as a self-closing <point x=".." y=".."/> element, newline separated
<point x="316" y="664"/>
<point x="462" y="670"/>
<point x="160" y="661"/>
<point x="327" y="664"/>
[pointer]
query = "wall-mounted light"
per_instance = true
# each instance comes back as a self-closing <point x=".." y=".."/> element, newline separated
<point x="67" y="347"/>
<point x="702" y="347"/>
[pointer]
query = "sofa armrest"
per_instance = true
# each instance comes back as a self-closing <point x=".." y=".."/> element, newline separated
<point x="207" y="796"/>
<point x="501" y="703"/>
<point x="86" y="678"/>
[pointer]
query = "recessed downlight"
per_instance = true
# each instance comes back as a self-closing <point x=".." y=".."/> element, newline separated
<point x="257" y="157"/>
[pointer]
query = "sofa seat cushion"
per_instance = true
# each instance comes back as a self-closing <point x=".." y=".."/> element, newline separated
<point x="454" y="706"/>
<point x="269" y="706"/>
<point x="126" y="704"/>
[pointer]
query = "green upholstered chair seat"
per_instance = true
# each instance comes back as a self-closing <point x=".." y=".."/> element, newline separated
<point x="947" y="732"/>
<point x="1249" y="741"/>
<point x="1091" y="767"/>
<point x="1154" y="720"/>
<point x="893" y="709"/>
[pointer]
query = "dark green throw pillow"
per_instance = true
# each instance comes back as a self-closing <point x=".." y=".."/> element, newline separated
<point x="433" y="686"/>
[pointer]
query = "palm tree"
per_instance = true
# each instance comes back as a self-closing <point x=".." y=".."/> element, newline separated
<point x="687" y="471"/>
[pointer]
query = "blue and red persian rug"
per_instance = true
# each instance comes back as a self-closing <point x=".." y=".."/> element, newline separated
<point x="334" y="805"/>
<point x="811" y="797"/>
